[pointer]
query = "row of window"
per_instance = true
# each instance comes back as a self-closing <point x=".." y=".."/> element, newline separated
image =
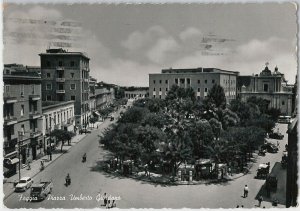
<point x="49" y="97"/>
<point x="229" y="81"/>
<point x="33" y="88"/>
<point x="59" y="117"/>
<point x="61" y="64"/>
<point x="61" y="75"/>
<point x="60" y="86"/>
<point x="205" y="89"/>
<point x="182" y="81"/>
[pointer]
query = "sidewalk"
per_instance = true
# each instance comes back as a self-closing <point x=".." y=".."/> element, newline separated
<point x="8" y="185"/>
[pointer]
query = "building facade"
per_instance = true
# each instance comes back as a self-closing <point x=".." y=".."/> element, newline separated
<point x="66" y="77"/>
<point x="267" y="85"/>
<point x="136" y="94"/>
<point x="57" y="115"/>
<point x="201" y="80"/>
<point x="22" y="112"/>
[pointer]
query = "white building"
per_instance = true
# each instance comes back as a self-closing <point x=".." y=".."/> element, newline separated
<point x="57" y="115"/>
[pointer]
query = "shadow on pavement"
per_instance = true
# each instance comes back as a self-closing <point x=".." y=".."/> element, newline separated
<point x="280" y="192"/>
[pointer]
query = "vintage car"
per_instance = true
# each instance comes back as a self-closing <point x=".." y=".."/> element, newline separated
<point x="262" y="171"/>
<point x="41" y="190"/>
<point x="84" y="130"/>
<point x="276" y="135"/>
<point x="23" y="184"/>
<point x="270" y="147"/>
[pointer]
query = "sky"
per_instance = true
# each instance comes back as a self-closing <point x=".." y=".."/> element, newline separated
<point x="125" y="43"/>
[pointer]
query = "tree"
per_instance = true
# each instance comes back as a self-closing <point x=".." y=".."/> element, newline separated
<point x="134" y="115"/>
<point x="93" y="120"/>
<point x="262" y="104"/>
<point x="62" y="136"/>
<point x="216" y="127"/>
<point x="216" y="95"/>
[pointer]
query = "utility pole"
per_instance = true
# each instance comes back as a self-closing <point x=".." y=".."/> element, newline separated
<point x="20" y="133"/>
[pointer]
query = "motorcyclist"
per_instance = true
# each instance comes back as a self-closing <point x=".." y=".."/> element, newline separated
<point x="68" y="179"/>
<point x="84" y="157"/>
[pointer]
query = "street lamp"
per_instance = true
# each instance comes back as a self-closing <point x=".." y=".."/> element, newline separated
<point x="20" y="134"/>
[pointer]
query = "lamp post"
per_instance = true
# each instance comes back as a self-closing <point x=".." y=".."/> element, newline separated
<point x="20" y="134"/>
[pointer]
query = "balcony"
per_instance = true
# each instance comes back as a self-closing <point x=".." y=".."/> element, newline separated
<point x="34" y="134"/>
<point x="60" y="80"/>
<point x="10" y="100"/>
<point x="61" y="91"/>
<point x="60" y="68"/>
<point x="34" y="115"/>
<point x="34" y="97"/>
<point x="10" y="120"/>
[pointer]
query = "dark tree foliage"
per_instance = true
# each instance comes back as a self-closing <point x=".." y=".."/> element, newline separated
<point x="216" y="95"/>
<point x="62" y="136"/>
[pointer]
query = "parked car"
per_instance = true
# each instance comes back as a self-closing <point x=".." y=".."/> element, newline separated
<point x="276" y="135"/>
<point x="23" y="184"/>
<point x="262" y="171"/>
<point x="41" y="190"/>
<point x="84" y="130"/>
<point x="269" y="147"/>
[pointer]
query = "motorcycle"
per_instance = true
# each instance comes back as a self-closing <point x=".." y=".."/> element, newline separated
<point x="68" y="180"/>
<point x="84" y="158"/>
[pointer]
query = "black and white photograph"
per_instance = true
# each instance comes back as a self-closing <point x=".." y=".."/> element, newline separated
<point x="149" y="105"/>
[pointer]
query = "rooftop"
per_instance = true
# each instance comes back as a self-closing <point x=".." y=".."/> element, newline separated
<point x="198" y="70"/>
<point x="60" y="51"/>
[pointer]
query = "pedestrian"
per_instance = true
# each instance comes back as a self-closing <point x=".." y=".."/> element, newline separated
<point x="246" y="190"/>
<point x="238" y="206"/>
<point x="278" y="144"/>
<point x="28" y="165"/>
<point x="107" y="204"/>
<point x="242" y="206"/>
<point x="260" y="199"/>
<point x="229" y="171"/>
<point x="105" y="199"/>
<point x="113" y="204"/>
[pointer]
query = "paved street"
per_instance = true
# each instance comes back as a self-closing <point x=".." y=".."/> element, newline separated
<point x="138" y="194"/>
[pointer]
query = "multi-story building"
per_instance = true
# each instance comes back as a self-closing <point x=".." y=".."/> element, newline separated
<point x="57" y="115"/>
<point x="136" y="94"/>
<point x="22" y="112"/>
<point x="267" y="85"/>
<point x="201" y="80"/>
<point x="66" y="77"/>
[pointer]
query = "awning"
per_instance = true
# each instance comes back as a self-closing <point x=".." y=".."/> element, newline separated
<point x="12" y="154"/>
<point x="97" y="113"/>
<point x="11" y="161"/>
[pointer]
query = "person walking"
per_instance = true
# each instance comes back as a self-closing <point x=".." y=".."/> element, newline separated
<point x="246" y="190"/>
<point x="260" y="199"/>
<point x="105" y="199"/>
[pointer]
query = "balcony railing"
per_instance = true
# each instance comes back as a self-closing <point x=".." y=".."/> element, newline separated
<point x="10" y="120"/>
<point x="60" y="79"/>
<point x="34" y="97"/>
<point x="34" y="134"/>
<point x="34" y="114"/>
<point x="60" y="68"/>
<point x="10" y="99"/>
<point x="60" y="91"/>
